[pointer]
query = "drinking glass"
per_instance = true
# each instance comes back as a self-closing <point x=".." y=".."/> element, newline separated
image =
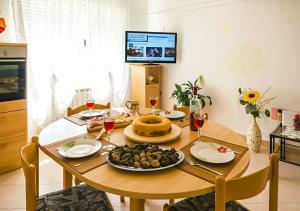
<point x="153" y="103"/>
<point x="90" y="105"/>
<point x="108" y="123"/>
<point x="198" y="122"/>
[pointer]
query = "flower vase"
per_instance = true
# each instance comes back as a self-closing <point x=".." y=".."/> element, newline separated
<point x="254" y="136"/>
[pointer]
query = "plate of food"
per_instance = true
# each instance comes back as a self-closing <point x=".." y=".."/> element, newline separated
<point x="144" y="157"/>
<point x="172" y="114"/>
<point x="94" y="113"/>
<point x="212" y="152"/>
<point x="152" y="129"/>
<point x="79" y="148"/>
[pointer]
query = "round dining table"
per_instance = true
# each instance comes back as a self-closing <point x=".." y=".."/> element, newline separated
<point x="170" y="183"/>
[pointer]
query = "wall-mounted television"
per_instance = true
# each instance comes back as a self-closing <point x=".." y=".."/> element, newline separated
<point x="150" y="47"/>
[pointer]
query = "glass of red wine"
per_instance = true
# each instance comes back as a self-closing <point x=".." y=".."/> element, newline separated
<point x="198" y="122"/>
<point x="153" y="103"/>
<point x="108" y="123"/>
<point x="90" y="105"/>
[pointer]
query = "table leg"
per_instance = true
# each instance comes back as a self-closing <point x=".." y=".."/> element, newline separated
<point x="137" y="204"/>
<point x="283" y="148"/>
<point x="271" y="140"/>
<point x="67" y="179"/>
<point x="281" y="152"/>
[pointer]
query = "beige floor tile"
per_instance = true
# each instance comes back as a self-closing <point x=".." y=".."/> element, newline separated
<point x="289" y="206"/>
<point x="12" y="197"/>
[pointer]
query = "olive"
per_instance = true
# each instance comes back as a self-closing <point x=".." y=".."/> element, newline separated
<point x="158" y="156"/>
<point x="142" y="155"/>
<point x="136" y="165"/>
<point x="143" y="160"/>
<point x="136" y="158"/>
<point x="150" y="159"/>
<point x="145" y="164"/>
<point x="155" y="163"/>
<point x="148" y="154"/>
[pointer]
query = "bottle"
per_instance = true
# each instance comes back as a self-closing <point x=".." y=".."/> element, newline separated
<point x="195" y="106"/>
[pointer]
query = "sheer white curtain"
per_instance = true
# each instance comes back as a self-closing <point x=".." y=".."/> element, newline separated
<point x="72" y="44"/>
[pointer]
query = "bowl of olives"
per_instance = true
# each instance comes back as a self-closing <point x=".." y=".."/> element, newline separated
<point x="144" y="157"/>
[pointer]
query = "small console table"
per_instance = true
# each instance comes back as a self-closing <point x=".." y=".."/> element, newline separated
<point x="277" y="135"/>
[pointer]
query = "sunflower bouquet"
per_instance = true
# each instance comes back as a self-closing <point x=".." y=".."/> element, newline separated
<point x="254" y="102"/>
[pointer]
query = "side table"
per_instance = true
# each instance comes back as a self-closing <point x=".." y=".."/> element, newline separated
<point x="277" y="134"/>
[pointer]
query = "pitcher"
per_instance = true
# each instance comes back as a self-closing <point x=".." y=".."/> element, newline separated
<point x="133" y="106"/>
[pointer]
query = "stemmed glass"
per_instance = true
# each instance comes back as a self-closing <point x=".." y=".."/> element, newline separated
<point x="153" y="103"/>
<point x="90" y="105"/>
<point x="108" y="123"/>
<point x="198" y="122"/>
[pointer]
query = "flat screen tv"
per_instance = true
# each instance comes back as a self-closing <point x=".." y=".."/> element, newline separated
<point x="150" y="47"/>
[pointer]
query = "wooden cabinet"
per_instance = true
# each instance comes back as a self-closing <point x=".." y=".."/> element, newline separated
<point x="142" y="87"/>
<point x="13" y="133"/>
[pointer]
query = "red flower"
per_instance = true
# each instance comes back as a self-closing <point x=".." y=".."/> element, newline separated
<point x="222" y="149"/>
<point x="297" y="116"/>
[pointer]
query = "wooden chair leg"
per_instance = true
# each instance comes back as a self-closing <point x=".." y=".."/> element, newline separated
<point x="76" y="181"/>
<point x="122" y="199"/>
<point x="171" y="201"/>
<point x="166" y="207"/>
<point x="273" y="189"/>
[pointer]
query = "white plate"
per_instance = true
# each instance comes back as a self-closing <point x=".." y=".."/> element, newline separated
<point x="174" y="133"/>
<point x="129" y="168"/>
<point x="208" y="152"/>
<point x="79" y="148"/>
<point x="172" y="114"/>
<point x="94" y="113"/>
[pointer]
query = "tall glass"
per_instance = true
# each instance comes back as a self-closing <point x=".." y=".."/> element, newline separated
<point x="108" y="123"/>
<point x="153" y="103"/>
<point x="198" y="122"/>
<point x="90" y="105"/>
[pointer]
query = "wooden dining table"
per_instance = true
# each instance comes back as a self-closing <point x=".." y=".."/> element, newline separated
<point x="171" y="183"/>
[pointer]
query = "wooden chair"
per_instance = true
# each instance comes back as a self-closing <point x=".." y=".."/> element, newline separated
<point x="236" y="189"/>
<point x="71" y="111"/>
<point x="81" y="197"/>
<point x="186" y="110"/>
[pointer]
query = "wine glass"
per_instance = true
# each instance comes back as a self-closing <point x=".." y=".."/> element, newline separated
<point x="90" y="105"/>
<point x="108" y="123"/>
<point x="198" y="122"/>
<point x="153" y="103"/>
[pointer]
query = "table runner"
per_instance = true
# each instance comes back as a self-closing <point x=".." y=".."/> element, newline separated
<point x="222" y="168"/>
<point x="79" y="120"/>
<point x="182" y="123"/>
<point x="95" y="159"/>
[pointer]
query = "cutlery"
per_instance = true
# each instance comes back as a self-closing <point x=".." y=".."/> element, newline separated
<point x="202" y="166"/>
<point x="102" y="131"/>
<point x="78" y="164"/>
<point x="211" y="144"/>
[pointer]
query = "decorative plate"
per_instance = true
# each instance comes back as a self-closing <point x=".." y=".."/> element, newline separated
<point x="94" y="113"/>
<point x="129" y="168"/>
<point x="172" y="114"/>
<point x="212" y="152"/>
<point x="79" y="148"/>
<point x="174" y="133"/>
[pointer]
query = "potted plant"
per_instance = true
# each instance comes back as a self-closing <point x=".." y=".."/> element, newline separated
<point x="183" y="93"/>
<point x="254" y="104"/>
<point x="297" y="122"/>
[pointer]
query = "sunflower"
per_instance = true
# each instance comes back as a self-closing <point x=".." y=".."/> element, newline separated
<point x="251" y="96"/>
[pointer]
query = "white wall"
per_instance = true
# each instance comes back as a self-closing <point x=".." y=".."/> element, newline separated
<point x="233" y="43"/>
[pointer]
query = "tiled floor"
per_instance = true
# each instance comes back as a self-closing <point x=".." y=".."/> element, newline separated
<point x="12" y="187"/>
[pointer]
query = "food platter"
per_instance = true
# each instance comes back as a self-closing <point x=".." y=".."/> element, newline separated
<point x="179" y="153"/>
<point x="94" y="113"/>
<point x="172" y="114"/>
<point x="174" y="133"/>
<point x="212" y="152"/>
<point x="79" y="148"/>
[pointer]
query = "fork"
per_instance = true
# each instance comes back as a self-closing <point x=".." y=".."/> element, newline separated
<point x="202" y="166"/>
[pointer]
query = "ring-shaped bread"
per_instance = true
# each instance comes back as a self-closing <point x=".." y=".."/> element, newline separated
<point x="151" y="125"/>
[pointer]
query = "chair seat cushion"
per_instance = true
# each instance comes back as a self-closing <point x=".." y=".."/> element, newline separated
<point x="204" y="203"/>
<point x="80" y="197"/>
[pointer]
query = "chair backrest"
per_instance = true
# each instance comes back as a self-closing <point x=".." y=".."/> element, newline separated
<point x="30" y="164"/>
<point x="185" y="109"/>
<point x="71" y="111"/>
<point x="249" y="186"/>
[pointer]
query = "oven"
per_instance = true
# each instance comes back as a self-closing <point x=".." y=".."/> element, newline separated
<point x="12" y="73"/>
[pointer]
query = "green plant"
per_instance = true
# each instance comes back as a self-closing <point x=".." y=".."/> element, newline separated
<point x="183" y="93"/>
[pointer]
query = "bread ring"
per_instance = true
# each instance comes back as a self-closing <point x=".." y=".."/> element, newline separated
<point x="151" y="125"/>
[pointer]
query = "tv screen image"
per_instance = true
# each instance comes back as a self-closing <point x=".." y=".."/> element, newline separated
<point x="150" y="47"/>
